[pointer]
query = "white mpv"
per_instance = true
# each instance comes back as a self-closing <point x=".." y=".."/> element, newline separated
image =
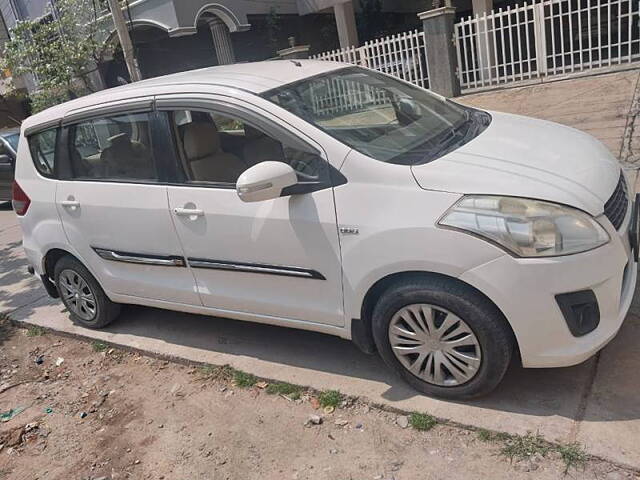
<point x="333" y="198"/>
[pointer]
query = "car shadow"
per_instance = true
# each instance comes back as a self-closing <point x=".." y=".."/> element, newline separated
<point x="18" y="288"/>
<point x="538" y="392"/>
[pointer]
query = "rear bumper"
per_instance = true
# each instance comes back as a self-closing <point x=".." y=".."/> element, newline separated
<point x="525" y="290"/>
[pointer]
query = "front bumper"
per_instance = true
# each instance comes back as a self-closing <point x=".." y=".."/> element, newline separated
<point x="525" y="290"/>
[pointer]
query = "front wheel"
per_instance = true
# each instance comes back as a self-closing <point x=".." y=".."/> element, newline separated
<point x="80" y="292"/>
<point x="444" y="338"/>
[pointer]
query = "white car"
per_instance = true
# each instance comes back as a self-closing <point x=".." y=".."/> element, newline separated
<point x="333" y="198"/>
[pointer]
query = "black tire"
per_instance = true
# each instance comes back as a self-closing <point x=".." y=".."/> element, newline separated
<point x="485" y="320"/>
<point x="106" y="311"/>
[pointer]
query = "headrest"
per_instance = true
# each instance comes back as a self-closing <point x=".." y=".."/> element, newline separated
<point x="200" y="140"/>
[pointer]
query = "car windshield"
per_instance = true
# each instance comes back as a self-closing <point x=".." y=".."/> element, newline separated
<point x="13" y="140"/>
<point x="382" y="117"/>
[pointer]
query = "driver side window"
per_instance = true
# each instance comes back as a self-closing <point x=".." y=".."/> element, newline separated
<point x="217" y="148"/>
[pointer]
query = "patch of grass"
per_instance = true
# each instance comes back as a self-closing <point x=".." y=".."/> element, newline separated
<point x="283" y="388"/>
<point x="244" y="379"/>
<point x="330" y="398"/>
<point x="489" y="436"/>
<point x="522" y="447"/>
<point x="98" y="346"/>
<point x="224" y="372"/>
<point x="35" y="331"/>
<point x="573" y="455"/>
<point x="422" y="421"/>
<point x="207" y="370"/>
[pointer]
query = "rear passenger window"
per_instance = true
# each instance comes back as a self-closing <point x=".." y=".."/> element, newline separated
<point x="112" y="148"/>
<point x="42" y="146"/>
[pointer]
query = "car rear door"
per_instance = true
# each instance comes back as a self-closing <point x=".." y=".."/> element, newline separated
<point x="112" y="200"/>
<point x="276" y="259"/>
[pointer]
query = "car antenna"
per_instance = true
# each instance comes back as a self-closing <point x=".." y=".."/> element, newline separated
<point x="296" y="63"/>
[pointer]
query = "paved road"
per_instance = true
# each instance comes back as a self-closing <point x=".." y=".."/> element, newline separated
<point x="595" y="403"/>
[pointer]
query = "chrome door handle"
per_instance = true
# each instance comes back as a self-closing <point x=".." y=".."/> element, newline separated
<point x="70" y="203"/>
<point x="188" y="212"/>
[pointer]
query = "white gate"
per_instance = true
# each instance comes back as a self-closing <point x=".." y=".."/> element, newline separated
<point x="403" y="55"/>
<point x="552" y="37"/>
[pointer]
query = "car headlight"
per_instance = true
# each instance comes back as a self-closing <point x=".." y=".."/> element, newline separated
<point x="527" y="228"/>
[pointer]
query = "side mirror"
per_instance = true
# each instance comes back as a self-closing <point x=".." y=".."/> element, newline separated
<point x="408" y="110"/>
<point x="265" y="181"/>
<point x="4" y="158"/>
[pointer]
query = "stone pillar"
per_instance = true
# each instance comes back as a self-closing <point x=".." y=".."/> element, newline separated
<point x="441" y="52"/>
<point x="294" y="52"/>
<point x="221" y="41"/>
<point x="485" y="45"/>
<point x="346" y="23"/>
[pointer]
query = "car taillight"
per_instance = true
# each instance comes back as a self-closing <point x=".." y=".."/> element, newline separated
<point x="19" y="199"/>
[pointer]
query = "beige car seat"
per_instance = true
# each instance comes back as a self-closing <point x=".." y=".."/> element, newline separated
<point x="205" y="158"/>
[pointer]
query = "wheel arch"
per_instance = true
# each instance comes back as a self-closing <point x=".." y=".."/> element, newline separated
<point x="51" y="258"/>
<point x="361" y="330"/>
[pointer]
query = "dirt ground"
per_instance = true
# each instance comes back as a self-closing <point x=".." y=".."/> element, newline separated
<point x="103" y="413"/>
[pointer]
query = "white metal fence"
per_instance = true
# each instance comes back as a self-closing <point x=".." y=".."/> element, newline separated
<point x="551" y="37"/>
<point x="402" y="55"/>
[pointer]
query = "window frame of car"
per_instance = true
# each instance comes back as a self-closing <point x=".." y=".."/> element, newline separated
<point x="163" y="144"/>
<point x="249" y="114"/>
<point x="101" y="112"/>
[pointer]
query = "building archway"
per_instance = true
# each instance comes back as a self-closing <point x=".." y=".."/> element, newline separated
<point x="158" y="53"/>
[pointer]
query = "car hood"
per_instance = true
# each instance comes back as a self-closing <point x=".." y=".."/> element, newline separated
<point x="525" y="157"/>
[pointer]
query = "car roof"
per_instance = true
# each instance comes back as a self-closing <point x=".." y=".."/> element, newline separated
<point x="257" y="78"/>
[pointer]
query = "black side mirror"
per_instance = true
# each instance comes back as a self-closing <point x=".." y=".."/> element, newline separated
<point x="4" y="158"/>
<point x="408" y="111"/>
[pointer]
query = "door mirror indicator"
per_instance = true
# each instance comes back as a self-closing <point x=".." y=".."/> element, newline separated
<point x="265" y="181"/>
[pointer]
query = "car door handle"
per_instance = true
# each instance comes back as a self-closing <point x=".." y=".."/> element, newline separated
<point x="70" y="203"/>
<point x="188" y="212"/>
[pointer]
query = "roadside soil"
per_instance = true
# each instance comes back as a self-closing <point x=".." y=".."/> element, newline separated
<point x="103" y="413"/>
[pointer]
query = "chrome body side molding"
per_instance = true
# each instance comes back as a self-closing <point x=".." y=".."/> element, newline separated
<point x="144" y="259"/>
<point x="256" y="268"/>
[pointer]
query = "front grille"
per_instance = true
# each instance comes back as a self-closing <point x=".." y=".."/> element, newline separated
<point x="616" y="207"/>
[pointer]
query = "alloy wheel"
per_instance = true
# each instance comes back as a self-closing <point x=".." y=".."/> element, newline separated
<point x="435" y="345"/>
<point x="77" y="295"/>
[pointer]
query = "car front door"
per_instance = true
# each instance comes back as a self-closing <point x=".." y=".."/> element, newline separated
<point x="113" y="206"/>
<point x="7" y="164"/>
<point x="275" y="259"/>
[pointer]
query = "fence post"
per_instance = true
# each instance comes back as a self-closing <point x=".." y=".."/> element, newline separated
<point x="441" y="53"/>
<point x="540" y="35"/>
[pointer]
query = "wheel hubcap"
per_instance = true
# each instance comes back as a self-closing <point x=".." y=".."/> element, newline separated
<point x="77" y="295"/>
<point x="435" y="345"/>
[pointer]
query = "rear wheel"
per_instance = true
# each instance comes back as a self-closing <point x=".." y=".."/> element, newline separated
<point x="442" y="337"/>
<point x="87" y="303"/>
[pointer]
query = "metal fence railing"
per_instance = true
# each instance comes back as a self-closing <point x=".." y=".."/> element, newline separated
<point x="402" y="55"/>
<point x="551" y="37"/>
